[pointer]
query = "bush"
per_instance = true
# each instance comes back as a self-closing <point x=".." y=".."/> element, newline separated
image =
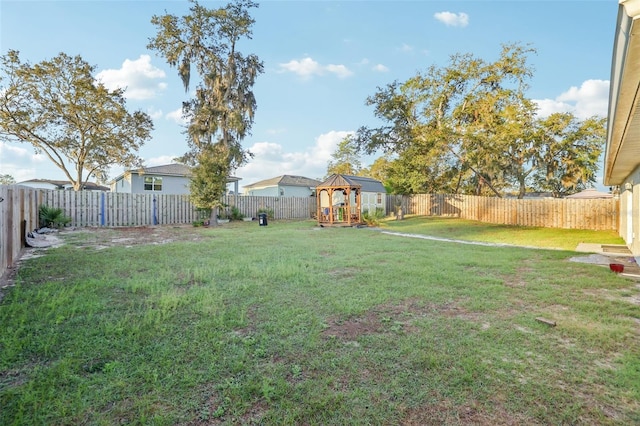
<point x="269" y="212"/>
<point x="52" y="217"/>
<point x="236" y="214"/>
<point x="373" y="219"/>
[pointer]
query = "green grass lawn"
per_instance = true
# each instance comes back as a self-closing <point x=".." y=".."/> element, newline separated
<point x="566" y="239"/>
<point x="296" y="324"/>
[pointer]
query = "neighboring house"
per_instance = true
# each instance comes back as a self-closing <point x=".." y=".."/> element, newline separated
<point x="167" y="179"/>
<point x="373" y="195"/>
<point x="61" y="184"/>
<point x="283" y="186"/>
<point x="590" y="194"/>
<point x="622" y="151"/>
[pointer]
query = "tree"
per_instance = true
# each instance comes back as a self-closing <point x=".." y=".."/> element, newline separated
<point x="58" y="107"/>
<point x="221" y="112"/>
<point x="345" y="159"/>
<point x="569" y="151"/>
<point x="453" y="116"/>
<point x="7" y="180"/>
<point x="469" y="128"/>
<point x="378" y="170"/>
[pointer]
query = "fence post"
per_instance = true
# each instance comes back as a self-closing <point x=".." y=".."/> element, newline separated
<point x="102" y="218"/>
<point x="155" y="215"/>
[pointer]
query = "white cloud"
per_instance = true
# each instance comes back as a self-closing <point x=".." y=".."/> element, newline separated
<point x="271" y="159"/>
<point x="176" y="116"/>
<point x="307" y="67"/>
<point x="451" y="19"/>
<point x="591" y="98"/>
<point x="160" y="160"/>
<point x="138" y="77"/>
<point x="380" y="68"/>
<point x="20" y="161"/>
<point x="340" y="70"/>
<point x="154" y="113"/>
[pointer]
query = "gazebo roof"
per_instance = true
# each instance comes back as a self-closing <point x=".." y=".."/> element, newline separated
<point x="339" y="181"/>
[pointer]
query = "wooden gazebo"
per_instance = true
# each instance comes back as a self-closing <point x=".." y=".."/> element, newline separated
<point x="339" y="202"/>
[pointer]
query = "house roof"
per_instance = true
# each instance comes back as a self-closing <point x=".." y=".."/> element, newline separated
<point x="173" y="169"/>
<point x="285" y="180"/>
<point x="91" y="186"/>
<point x="590" y="193"/>
<point x="366" y="184"/>
<point x="622" y="151"/>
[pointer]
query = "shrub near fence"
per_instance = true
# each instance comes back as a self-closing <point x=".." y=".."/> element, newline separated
<point x="596" y="214"/>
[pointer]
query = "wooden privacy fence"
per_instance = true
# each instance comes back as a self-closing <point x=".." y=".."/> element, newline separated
<point x="18" y="213"/>
<point x="596" y="214"/>
<point x="86" y="208"/>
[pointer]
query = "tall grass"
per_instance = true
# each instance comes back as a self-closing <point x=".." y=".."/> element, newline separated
<point x="296" y="324"/>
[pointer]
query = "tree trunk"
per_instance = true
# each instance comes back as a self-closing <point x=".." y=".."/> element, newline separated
<point x="213" y="219"/>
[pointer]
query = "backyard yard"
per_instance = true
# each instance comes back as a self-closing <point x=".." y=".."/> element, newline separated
<point x="292" y="323"/>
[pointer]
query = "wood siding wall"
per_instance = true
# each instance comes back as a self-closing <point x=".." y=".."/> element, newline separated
<point x="596" y="214"/>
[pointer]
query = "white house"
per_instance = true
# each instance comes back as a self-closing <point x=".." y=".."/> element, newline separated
<point x="283" y="186"/>
<point x="622" y="151"/>
<point x="61" y="185"/>
<point x="166" y="179"/>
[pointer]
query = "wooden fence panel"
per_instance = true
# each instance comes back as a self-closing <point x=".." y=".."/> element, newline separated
<point x="18" y="215"/>
<point x="86" y="208"/>
<point x="596" y="214"/>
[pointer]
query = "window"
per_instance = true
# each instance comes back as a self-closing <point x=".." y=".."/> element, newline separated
<point x="282" y="192"/>
<point x="379" y="198"/>
<point x="152" y="183"/>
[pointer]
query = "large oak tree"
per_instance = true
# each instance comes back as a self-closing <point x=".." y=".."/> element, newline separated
<point x="468" y="127"/>
<point x="222" y="110"/>
<point x="58" y="107"/>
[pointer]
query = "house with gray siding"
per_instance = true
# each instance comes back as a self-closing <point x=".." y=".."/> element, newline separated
<point x="166" y="179"/>
<point x="283" y="186"/>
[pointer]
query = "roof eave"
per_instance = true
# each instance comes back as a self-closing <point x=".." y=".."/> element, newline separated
<point x="623" y="131"/>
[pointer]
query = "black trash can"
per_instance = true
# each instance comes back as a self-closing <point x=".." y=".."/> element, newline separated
<point x="262" y="219"/>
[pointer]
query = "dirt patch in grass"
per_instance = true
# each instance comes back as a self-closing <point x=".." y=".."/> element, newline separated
<point x="399" y="317"/>
<point x="99" y="238"/>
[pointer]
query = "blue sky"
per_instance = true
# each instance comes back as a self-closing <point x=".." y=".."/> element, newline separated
<point x="322" y="59"/>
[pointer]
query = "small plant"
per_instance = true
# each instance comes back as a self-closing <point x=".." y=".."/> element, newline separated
<point x="269" y="212"/>
<point x="236" y="214"/>
<point x="52" y="217"/>
<point x="373" y="219"/>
